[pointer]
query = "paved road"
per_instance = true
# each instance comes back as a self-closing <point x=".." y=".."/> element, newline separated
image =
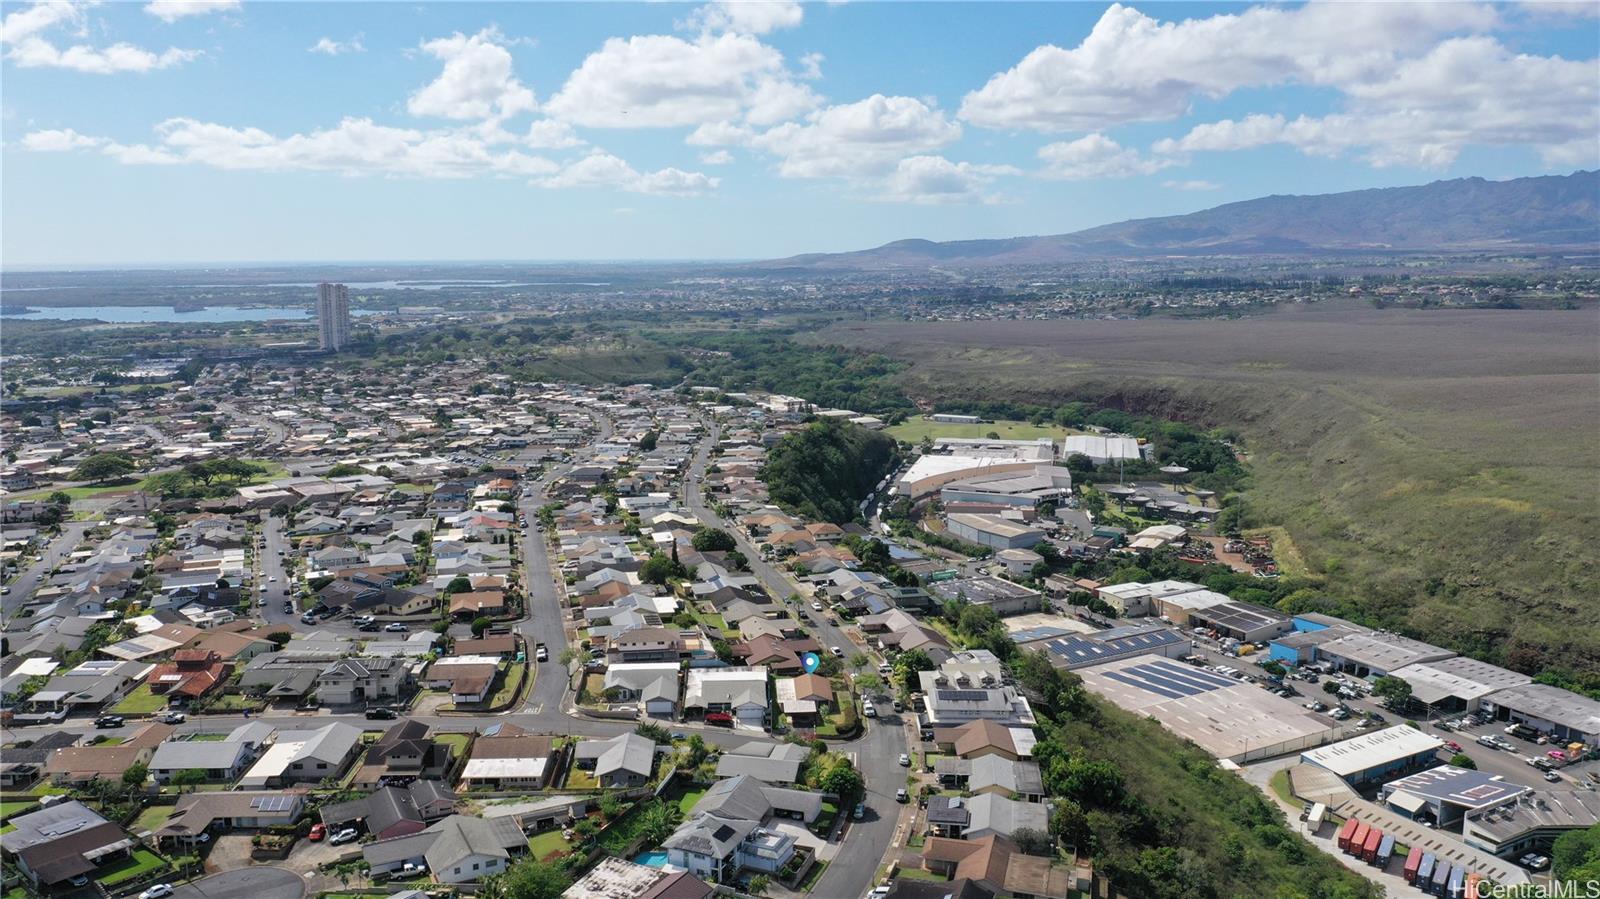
<point x="256" y="882"/>
<point x="877" y="753"/>
<point x="271" y="565"/>
<point x="28" y="581"/>
<point x="277" y="431"/>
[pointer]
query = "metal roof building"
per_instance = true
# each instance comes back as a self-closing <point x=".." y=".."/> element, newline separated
<point x="1458" y="682"/>
<point x="1374" y="755"/>
<point x="1561" y="713"/>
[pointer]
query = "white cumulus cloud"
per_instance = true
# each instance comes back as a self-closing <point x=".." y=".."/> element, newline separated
<point x="663" y="81"/>
<point x="1191" y="185"/>
<point x="28" y="41"/>
<point x="930" y="180"/>
<point x="1132" y="67"/>
<point x="1095" y="156"/>
<point x="331" y="47"/>
<point x="747" y="16"/>
<point x="478" y="80"/>
<point x="170" y="11"/>
<point x="601" y="169"/>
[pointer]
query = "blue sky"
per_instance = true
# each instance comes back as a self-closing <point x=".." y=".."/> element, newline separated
<point x="215" y="130"/>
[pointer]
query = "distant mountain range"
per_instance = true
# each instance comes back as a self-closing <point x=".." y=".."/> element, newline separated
<point x="1464" y="214"/>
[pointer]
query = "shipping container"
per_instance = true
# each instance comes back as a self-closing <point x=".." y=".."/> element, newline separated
<point x="1359" y="838"/>
<point x="1413" y="860"/>
<point x="1457" y="887"/>
<point x="1385" y="851"/>
<point x="1441" y="878"/>
<point x="1473" y="880"/>
<point x="1424" y="872"/>
<point x="1369" y="851"/>
<point x="1346" y="832"/>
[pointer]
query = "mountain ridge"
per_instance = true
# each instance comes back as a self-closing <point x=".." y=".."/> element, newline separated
<point x="1543" y="212"/>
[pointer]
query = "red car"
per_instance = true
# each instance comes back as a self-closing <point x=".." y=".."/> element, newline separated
<point x="722" y="718"/>
<point x="318" y="831"/>
<point x="1454" y="746"/>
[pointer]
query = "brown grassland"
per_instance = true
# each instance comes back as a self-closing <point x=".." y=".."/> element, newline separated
<point x="1439" y="470"/>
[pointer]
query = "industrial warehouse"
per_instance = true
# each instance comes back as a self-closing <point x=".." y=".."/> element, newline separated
<point x="1228" y="718"/>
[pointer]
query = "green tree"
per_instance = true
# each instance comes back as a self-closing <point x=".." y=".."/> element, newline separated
<point x="135" y="775"/>
<point x="188" y="777"/>
<point x="1394" y="691"/>
<point x="481" y="625"/>
<point x="659" y="568"/>
<point x="534" y="879"/>
<point x="1462" y="760"/>
<point x="102" y="467"/>
<point x="458" y="584"/>
<point x="713" y="540"/>
<point x="759" y="884"/>
<point x="344" y="470"/>
<point x="59" y="498"/>
<point x="1033" y="842"/>
<point x="908" y="664"/>
<point x="844" y="780"/>
<point x="647" y="442"/>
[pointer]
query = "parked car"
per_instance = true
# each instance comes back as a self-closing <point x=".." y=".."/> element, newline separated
<point x="905" y="760"/>
<point x="318" y="833"/>
<point x="1454" y="746"/>
<point x="1552" y="777"/>
<point x="899" y="706"/>
<point x="171" y="717"/>
<point x="412" y="869"/>
<point x="381" y="714"/>
<point x="108" y="721"/>
<point x="869" y="710"/>
<point x="395" y="627"/>
<point x="838" y="653"/>
<point x="1533" y="861"/>
<point x="370" y="627"/>
<point x="157" y="891"/>
<point x="859" y="812"/>
<point x="288" y="607"/>
<point x="348" y="835"/>
<point x="816" y="606"/>
<point x="901" y="795"/>
<point x="541" y="653"/>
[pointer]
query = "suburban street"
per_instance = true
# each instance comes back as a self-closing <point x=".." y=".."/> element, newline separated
<point x="20" y="589"/>
<point x="877" y="752"/>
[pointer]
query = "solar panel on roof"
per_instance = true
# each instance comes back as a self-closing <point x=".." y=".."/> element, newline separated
<point x="963" y="695"/>
<point x="1143" y="685"/>
<point x="1167" y="683"/>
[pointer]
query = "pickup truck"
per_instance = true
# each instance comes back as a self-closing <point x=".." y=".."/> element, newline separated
<point x="540" y="652"/>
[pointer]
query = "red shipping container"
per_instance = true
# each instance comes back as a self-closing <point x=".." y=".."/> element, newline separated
<point x="1358" y="840"/>
<point x="1413" y="861"/>
<point x="1346" y="832"/>
<point x="1369" y="852"/>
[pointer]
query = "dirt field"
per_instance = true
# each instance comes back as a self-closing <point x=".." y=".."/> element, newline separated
<point x="1436" y="467"/>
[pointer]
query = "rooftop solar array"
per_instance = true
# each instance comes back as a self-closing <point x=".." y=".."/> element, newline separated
<point x="1170" y="680"/>
<point x="963" y="695"/>
<point x="271" y="803"/>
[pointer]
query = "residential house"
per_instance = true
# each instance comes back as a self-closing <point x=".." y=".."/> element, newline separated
<point x="626" y="760"/>
<point x="507" y="757"/>
<point x="391" y="811"/>
<point x="996" y="863"/>
<point x="224" y="810"/>
<point x="774" y="763"/>
<point x="349" y="681"/>
<point x="725" y="830"/>
<point x="67" y="840"/>
<point x="403" y="754"/>
<point x="457" y="849"/>
<point x="992" y="774"/>
<point x="81" y="764"/>
<point x="654" y="685"/>
<point x="222" y="761"/>
<point x="975" y="817"/>
<point x="615" y="878"/>
<point x="191" y="674"/>
<point x="305" y="757"/>
<point x="738" y="691"/>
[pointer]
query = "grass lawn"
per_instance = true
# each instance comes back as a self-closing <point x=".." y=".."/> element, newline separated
<point x="578" y="779"/>
<point x="549" y="843"/>
<point x="46" y="788"/>
<point x="207" y="738"/>
<point x="142" y="863"/>
<point x="140" y="702"/>
<point x="921" y="874"/>
<point x="914" y="429"/>
<point x="17" y="892"/>
<point x="456" y="742"/>
<point x="509" y="685"/>
<point x="692" y="795"/>
<point x="825" y="819"/>
<point x="236" y="702"/>
<point x="152" y="817"/>
<point x="1280" y="785"/>
<point x="15" y="807"/>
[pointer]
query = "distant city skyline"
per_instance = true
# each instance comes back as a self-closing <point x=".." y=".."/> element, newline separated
<point x="213" y="131"/>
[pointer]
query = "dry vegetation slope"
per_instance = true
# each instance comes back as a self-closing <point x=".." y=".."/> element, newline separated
<point x="1439" y="466"/>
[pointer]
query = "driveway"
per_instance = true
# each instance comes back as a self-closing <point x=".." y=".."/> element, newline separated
<point x="264" y="882"/>
<point x="231" y="852"/>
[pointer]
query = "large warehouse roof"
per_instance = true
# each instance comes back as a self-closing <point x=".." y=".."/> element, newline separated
<point x="1100" y="448"/>
<point x="1228" y="718"/>
<point x="1458" y="677"/>
<point x="1458" y="786"/>
<point x="1383" y="651"/>
<point x="1552" y="704"/>
<point x="1372" y="750"/>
